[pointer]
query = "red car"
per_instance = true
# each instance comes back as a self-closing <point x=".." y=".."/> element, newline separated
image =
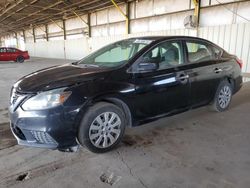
<point x="13" y="54"/>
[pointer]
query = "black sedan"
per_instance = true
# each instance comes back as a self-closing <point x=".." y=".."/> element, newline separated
<point x="127" y="83"/>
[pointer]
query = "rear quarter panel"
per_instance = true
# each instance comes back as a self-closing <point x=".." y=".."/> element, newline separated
<point x="232" y="71"/>
<point x="25" y="54"/>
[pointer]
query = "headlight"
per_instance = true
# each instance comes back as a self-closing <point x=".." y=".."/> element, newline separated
<point x="46" y="99"/>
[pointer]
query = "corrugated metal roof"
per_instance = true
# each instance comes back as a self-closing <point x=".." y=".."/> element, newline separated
<point x="16" y="15"/>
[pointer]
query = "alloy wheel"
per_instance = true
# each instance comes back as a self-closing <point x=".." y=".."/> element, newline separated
<point x="105" y="130"/>
<point x="224" y="96"/>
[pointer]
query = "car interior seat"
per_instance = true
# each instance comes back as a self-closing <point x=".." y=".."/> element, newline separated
<point x="201" y="53"/>
<point x="170" y="57"/>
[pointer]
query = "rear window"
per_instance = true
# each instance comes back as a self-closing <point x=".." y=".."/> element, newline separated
<point x="217" y="52"/>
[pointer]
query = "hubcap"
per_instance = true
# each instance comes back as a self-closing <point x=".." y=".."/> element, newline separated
<point x="224" y="96"/>
<point x="105" y="129"/>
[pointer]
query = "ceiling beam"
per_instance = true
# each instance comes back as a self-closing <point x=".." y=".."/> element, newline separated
<point x="14" y="12"/>
<point x="26" y="19"/>
<point x="47" y="17"/>
<point x="11" y="7"/>
<point x="51" y="8"/>
<point x="45" y="8"/>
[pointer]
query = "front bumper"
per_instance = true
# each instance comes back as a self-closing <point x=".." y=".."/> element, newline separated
<point x="52" y="128"/>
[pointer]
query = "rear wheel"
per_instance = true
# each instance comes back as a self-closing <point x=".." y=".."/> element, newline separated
<point x="223" y="97"/>
<point x="20" y="59"/>
<point x="102" y="127"/>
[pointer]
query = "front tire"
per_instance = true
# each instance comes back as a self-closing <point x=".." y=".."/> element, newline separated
<point x="102" y="127"/>
<point x="222" y="97"/>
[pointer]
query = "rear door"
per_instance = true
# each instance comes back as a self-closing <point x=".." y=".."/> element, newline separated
<point x="8" y="54"/>
<point x="206" y="71"/>
<point x="166" y="89"/>
<point x="12" y="54"/>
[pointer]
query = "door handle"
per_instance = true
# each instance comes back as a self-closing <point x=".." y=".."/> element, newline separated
<point x="183" y="77"/>
<point x="217" y="70"/>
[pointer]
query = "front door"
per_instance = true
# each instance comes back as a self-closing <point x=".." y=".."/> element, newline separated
<point x="3" y="54"/>
<point x="163" y="90"/>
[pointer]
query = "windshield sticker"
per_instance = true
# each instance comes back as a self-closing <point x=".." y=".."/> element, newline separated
<point x="141" y="41"/>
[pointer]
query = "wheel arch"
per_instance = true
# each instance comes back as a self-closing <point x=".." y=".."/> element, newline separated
<point x="113" y="99"/>
<point x="230" y="80"/>
<point x="116" y="100"/>
<point x="121" y="104"/>
<point x="227" y="78"/>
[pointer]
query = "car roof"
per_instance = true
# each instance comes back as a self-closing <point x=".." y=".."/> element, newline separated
<point x="8" y="47"/>
<point x="183" y="37"/>
<point x="169" y="37"/>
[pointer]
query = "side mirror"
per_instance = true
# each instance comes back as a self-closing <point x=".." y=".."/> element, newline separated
<point x="147" y="67"/>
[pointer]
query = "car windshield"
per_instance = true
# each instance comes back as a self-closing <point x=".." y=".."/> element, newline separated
<point x="115" y="54"/>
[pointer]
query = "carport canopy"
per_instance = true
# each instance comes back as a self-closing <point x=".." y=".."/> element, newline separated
<point x="16" y="15"/>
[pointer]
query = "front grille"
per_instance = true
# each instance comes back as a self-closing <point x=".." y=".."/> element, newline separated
<point x="43" y="137"/>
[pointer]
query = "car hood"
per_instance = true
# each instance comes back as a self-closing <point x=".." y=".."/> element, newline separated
<point x="58" y="76"/>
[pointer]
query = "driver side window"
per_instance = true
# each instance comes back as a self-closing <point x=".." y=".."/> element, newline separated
<point x="2" y="50"/>
<point x="165" y="55"/>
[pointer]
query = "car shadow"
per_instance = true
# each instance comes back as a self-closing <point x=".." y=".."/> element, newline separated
<point x="7" y="62"/>
<point x="242" y="97"/>
<point x="165" y="130"/>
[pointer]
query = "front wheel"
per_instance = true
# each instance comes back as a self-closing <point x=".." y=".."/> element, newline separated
<point x="102" y="127"/>
<point x="223" y="97"/>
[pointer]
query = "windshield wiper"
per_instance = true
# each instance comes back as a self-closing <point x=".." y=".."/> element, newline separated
<point x="88" y="65"/>
<point x="75" y="63"/>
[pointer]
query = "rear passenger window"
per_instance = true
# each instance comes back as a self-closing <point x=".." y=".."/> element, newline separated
<point x="198" y="52"/>
<point x="11" y="50"/>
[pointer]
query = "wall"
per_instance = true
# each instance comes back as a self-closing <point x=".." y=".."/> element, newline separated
<point x="68" y="49"/>
<point x="234" y="38"/>
<point x="155" y="15"/>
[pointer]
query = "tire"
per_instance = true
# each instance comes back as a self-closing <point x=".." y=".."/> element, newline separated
<point x="103" y="121"/>
<point x="20" y="59"/>
<point x="222" y="97"/>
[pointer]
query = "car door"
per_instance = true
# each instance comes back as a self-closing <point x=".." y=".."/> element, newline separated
<point x="8" y="54"/>
<point x="2" y="54"/>
<point x="11" y="54"/>
<point x="206" y="72"/>
<point x="165" y="89"/>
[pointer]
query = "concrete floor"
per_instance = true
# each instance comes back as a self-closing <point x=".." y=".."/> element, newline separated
<point x="196" y="149"/>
